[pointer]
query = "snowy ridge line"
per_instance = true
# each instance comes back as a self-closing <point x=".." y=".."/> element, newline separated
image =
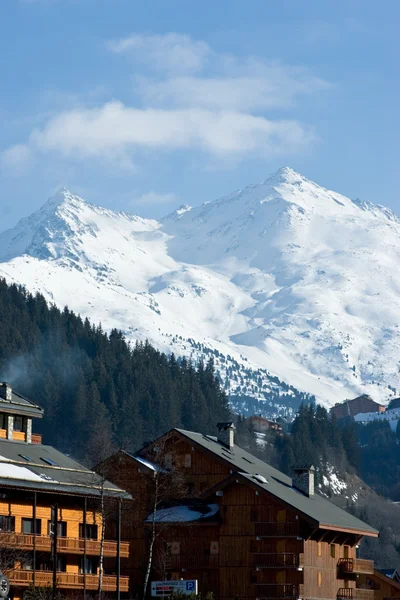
<point x="296" y="281"/>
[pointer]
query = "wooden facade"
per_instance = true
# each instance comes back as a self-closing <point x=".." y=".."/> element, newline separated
<point x="384" y="588"/>
<point x="39" y="487"/>
<point x="351" y="408"/>
<point x="255" y="547"/>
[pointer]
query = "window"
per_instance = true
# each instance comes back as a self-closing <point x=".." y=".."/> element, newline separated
<point x="333" y="550"/>
<point x="3" y="421"/>
<point x="188" y="461"/>
<point x="173" y="548"/>
<point x="18" y="423"/>
<point x="203" y="486"/>
<point x="61" y="528"/>
<point x="28" y="527"/>
<point x="253" y="515"/>
<point x="25" y="457"/>
<point x="27" y="561"/>
<point x="319" y="549"/>
<point x="168" y="461"/>
<point x="346" y="552"/>
<point x="7" y="523"/>
<point x="49" y="461"/>
<point x="190" y="489"/>
<point x="61" y="563"/>
<point x="92" y="562"/>
<point x="91" y="531"/>
<point x="319" y="579"/>
<point x="214" y="548"/>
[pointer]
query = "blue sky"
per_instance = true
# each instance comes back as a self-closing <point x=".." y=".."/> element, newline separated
<point x="143" y="106"/>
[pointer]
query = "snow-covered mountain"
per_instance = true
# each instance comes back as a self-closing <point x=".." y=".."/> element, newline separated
<point x="281" y="278"/>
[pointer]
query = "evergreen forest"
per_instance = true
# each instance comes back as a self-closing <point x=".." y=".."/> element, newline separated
<point x="98" y="393"/>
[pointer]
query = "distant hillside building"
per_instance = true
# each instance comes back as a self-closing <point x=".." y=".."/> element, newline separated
<point x="395" y="403"/>
<point x="262" y="425"/>
<point x="351" y="408"/>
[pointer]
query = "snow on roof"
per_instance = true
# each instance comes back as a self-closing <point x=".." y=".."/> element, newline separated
<point x="182" y="514"/>
<point x="147" y="463"/>
<point x="15" y="472"/>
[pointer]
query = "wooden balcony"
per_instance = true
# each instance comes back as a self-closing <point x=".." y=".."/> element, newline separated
<point x="355" y="594"/>
<point x="72" y="581"/>
<point x="277" y="530"/>
<point x="64" y="544"/>
<point x="20" y="436"/>
<point x="283" y="560"/>
<point x="359" y="566"/>
<point x="191" y="561"/>
<point x="278" y="591"/>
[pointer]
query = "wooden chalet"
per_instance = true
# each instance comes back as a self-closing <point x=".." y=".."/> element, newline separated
<point x="39" y="487"/>
<point x="262" y="424"/>
<point x="385" y="587"/>
<point x="244" y="530"/>
<point x="351" y="408"/>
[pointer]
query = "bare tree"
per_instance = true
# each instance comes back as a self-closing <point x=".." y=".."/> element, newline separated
<point x="165" y="482"/>
<point x="10" y="551"/>
<point x="110" y="508"/>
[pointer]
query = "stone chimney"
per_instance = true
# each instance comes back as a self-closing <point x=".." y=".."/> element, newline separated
<point x="303" y="479"/>
<point x="226" y="434"/>
<point x="6" y="391"/>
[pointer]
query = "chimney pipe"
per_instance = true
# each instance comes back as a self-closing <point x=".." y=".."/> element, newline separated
<point x="226" y="434"/>
<point x="303" y="479"/>
<point x="6" y="391"/>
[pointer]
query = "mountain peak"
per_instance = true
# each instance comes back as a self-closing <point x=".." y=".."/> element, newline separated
<point x="63" y="196"/>
<point x="285" y="175"/>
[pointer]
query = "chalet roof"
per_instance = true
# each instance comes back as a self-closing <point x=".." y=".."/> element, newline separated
<point x="20" y="405"/>
<point x="252" y="469"/>
<point x="43" y="468"/>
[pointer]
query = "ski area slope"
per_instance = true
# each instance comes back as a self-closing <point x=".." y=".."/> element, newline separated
<point x="284" y="275"/>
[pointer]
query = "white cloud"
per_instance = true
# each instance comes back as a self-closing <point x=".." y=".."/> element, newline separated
<point x="116" y="128"/>
<point x="15" y="159"/>
<point x="276" y="87"/>
<point x="192" y="99"/>
<point x="173" y="52"/>
<point x="153" y="198"/>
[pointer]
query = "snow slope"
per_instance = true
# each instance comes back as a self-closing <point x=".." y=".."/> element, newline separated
<point x="283" y="275"/>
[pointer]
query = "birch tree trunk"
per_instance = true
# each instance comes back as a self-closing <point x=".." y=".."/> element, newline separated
<point x="152" y="540"/>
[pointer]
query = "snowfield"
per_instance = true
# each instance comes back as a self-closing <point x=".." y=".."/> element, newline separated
<point x="284" y="275"/>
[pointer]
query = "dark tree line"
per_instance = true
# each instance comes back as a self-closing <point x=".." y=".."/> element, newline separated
<point x="317" y="438"/>
<point x="380" y="457"/>
<point x="98" y="392"/>
<point x="371" y="451"/>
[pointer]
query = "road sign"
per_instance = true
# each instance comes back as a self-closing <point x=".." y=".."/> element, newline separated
<point x="165" y="588"/>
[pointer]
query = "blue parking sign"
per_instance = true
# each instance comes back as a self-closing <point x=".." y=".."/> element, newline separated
<point x="190" y="586"/>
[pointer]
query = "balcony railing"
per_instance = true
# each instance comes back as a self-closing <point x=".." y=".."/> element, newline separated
<point x="283" y="560"/>
<point x="355" y="594"/>
<point x="356" y="565"/>
<point x="20" y="436"/>
<point x="277" y="591"/>
<point x="277" y="530"/>
<point x="64" y="544"/>
<point x="72" y="581"/>
<point x="187" y="561"/>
